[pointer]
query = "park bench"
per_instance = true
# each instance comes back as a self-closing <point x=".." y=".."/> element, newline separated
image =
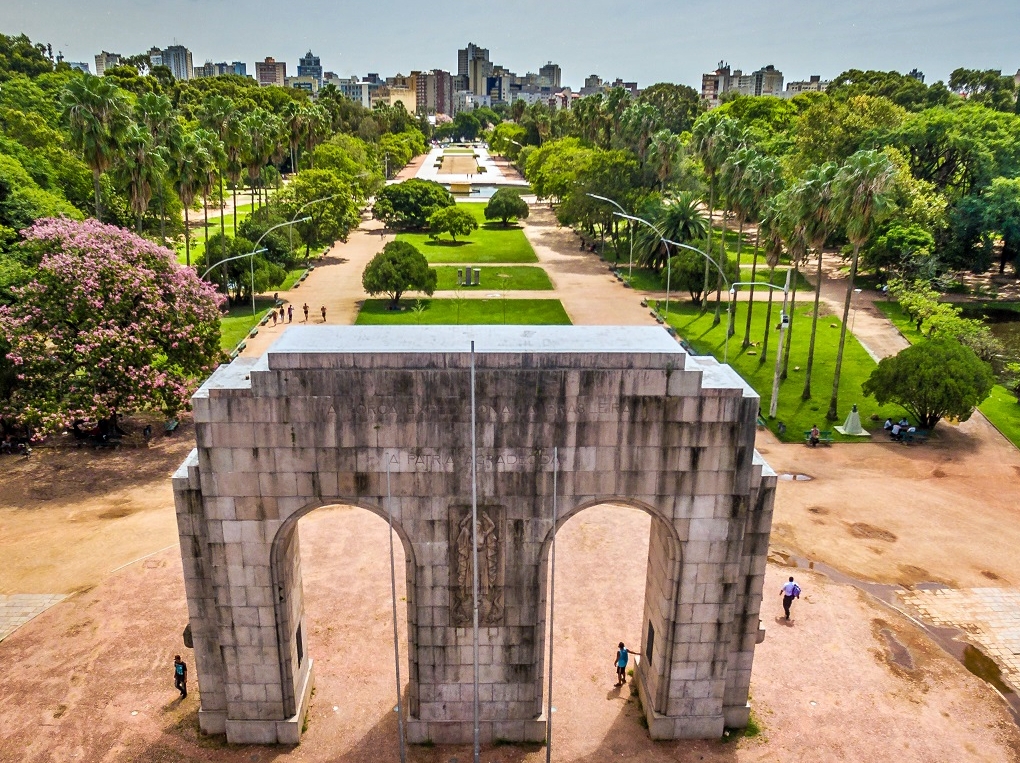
<point x="825" y="438"/>
<point x="170" y="427"/>
<point x="918" y="436"/>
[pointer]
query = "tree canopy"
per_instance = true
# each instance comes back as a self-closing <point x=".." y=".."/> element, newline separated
<point x="932" y="379"/>
<point x="398" y="268"/>
<point x="454" y="220"/>
<point x="410" y="204"/>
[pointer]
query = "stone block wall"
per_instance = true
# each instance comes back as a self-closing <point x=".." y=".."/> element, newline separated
<point x="296" y="430"/>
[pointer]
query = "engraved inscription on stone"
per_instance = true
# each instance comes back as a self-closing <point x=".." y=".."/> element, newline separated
<point x="490" y="567"/>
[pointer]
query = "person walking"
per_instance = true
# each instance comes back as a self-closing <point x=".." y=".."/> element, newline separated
<point x="290" y="313"/>
<point x="790" y="592"/>
<point x="323" y="311"/>
<point x="274" y="316"/>
<point x="622" y="658"/>
<point x="180" y="676"/>
<point x="305" y="308"/>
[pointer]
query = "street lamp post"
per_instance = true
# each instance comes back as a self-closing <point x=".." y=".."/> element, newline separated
<point x="708" y="258"/>
<point x="623" y="213"/>
<point x="250" y="254"/>
<point x="733" y="294"/>
<point x="853" y="318"/>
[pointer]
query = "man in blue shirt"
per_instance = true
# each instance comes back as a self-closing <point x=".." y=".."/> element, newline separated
<point x="180" y="676"/>
<point x="791" y="591"/>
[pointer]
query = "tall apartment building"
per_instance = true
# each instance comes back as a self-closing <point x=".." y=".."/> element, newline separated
<point x="82" y="66"/>
<point x="435" y="90"/>
<point x="549" y="76"/>
<point x="106" y="60"/>
<point x="466" y="55"/>
<point x="814" y="85"/>
<point x="209" y="69"/>
<point x="765" y="81"/>
<point x="918" y="75"/>
<point x="155" y="56"/>
<point x="271" y="72"/>
<point x="177" y="59"/>
<point x="310" y="66"/>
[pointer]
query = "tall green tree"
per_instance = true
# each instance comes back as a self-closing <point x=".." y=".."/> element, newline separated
<point x="188" y="172"/>
<point x="815" y="207"/>
<point x="140" y="169"/>
<point x="96" y="113"/>
<point x="765" y="179"/>
<point x="735" y="178"/>
<point x="216" y="114"/>
<point x="862" y="191"/>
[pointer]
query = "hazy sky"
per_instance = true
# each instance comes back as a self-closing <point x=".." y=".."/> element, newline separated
<point x="643" y="40"/>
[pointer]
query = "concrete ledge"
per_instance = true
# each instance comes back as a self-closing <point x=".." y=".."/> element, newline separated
<point x="289" y="731"/>
<point x="662" y="727"/>
<point x="462" y="732"/>
<point x="737" y="716"/>
<point x="212" y="721"/>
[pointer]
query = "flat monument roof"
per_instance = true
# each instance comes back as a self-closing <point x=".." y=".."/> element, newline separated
<point x="487" y="339"/>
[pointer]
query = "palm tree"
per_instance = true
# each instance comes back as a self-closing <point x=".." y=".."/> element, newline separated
<point x="764" y="177"/>
<point x="256" y="149"/>
<point x="140" y="169"/>
<point x="316" y="126"/>
<point x="711" y="139"/>
<point x="741" y="197"/>
<point x="679" y="219"/>
<point x="294" y="117"/>
<point x="96" y="112"/>
<point x="157" y="113"/>
<point x="216" y="114"/>
<point x="816" y="210"/>
<point x="233" y="144"/>
<point x="664" y="153"/>
<point x="214" y="156"/>
<point x="639" y="122"/>
<point x="770" y="226"/>
<point x="863" y="193"/>
<point x="188" y="174"/>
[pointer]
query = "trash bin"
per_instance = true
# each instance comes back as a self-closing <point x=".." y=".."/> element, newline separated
<point x="478" y="276"/>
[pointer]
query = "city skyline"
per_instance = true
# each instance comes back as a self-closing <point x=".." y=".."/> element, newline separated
<point x="596" y="38"/>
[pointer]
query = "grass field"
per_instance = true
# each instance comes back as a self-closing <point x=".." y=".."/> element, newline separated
<point x="465" y="311"/>
<point x="521" y="278"/>
<point x="645" y="279"/>
<point x="1001" y="407"/>
<point x="198" y="234"/>
<point x="235" y="325"/>
<point x="490" y="243"/>
<point x="797" y="415"/>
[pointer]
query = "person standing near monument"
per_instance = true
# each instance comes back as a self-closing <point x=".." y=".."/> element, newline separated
<point x="323" y="311"/>
<point x="790" y="592"/>
<point x="180" y="676"/>
<point x="305" y="308"/>
<point x="622" y="658"/>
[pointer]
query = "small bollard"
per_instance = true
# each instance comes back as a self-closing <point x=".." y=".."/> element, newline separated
<point x="478" y="276"/>
<point x="460" y="276"/>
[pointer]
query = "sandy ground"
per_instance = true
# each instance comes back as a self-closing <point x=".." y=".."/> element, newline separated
<point x="90" y="680"/>
<point x="458" y="164"/>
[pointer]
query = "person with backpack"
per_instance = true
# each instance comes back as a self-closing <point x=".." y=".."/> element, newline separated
<point x="180" y="676"/>
<point x="790" y="592"/>
<point x="622" y="658"/>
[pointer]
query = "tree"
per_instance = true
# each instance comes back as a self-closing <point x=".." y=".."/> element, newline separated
<point x="765" y="178"/>
<point x="399" y="267"/>
<point x="409" y="205"/>
<point x="328" y="201"/>
<point x="216" y="114"/>
<point x="685" y="272"/>
<point x="677" y="105"/>
<point x="466" y="125"/>
<point x="109" y="323"/>
<point x="1002" y="215"/>
<point x="96" y="113"/>
<point x="814" y="206"/>
<point x="141" y="170"/>
<point x="932" y="379"/>
<point x="988" y="87"/>
<point x="678" y="219"/>
<point x="188" y="173"/>
<point x="506" y="204"/>
<point x="455" y="220"/>
<point x="861" y="189"/>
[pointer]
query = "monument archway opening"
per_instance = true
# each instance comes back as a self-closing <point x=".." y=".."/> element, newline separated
<point x="331" y="573"/>
<point x="352" y="415"/>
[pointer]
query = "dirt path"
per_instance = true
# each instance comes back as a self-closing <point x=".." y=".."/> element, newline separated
<point x="590" y="295"/>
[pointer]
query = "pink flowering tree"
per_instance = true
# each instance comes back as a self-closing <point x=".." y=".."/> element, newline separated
<point x="108" y="324"/>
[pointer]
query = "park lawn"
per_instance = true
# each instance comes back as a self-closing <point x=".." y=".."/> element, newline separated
<point x="520" y="279"/>
<point x="1001" y="407"/>
<point x="235" y="325"/>
<point x="291" y="279"/>
<point x="644" y="279"/>
<point x="798" y="415"/>
<point x="198" y="234"/>
<point x="458" y="151"/>
<point x="490" y="243"/>
<point x="516" y="312"/>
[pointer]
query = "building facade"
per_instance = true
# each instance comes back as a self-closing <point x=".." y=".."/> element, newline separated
<point x="814" y="85"/>
<point x="271" y="72"/>
<point x="310" y="66"/>
<point x="550" y="76"/>
<point x="177" y="59"/>
<point x="765" y="81"/>
<point x="105" y="61"/>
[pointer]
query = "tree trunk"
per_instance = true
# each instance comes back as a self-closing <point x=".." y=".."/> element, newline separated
<point x="789" y="330"/>
<point x="768" y="322"/>
<point x="718" y="277"/>
<point x="187" y="238"/>
<point x="806" y="394"/>
<point x="833" y="413"/>
<point x="233" y="192"/>
<point x="162" y="215"/>
<point x="205" y="217"/>
<point x="223" y="212"/>
<point x="750" y="295"/>
<point x="95" y="187"/>
<point x="740" y="239"/>
<point x="711" y="219"/>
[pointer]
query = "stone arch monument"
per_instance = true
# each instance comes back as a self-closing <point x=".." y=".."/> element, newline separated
<point x="329" y="412"/>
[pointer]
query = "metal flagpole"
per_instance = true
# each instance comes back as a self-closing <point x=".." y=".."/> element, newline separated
<point x="396" y="643"/>
<point x="474" y="550"/>
<point x="552" y="611"/>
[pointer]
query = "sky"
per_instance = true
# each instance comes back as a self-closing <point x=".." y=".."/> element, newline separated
<point x="642" y="40"/>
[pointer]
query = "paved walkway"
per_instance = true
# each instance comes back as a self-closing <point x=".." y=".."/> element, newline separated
<point x="19" y="608"/>
<point x="989" y="616"/>
<point x="493" y="174"/>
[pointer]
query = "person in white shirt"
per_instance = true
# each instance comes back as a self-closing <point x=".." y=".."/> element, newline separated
<point x="790" y="592"/>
